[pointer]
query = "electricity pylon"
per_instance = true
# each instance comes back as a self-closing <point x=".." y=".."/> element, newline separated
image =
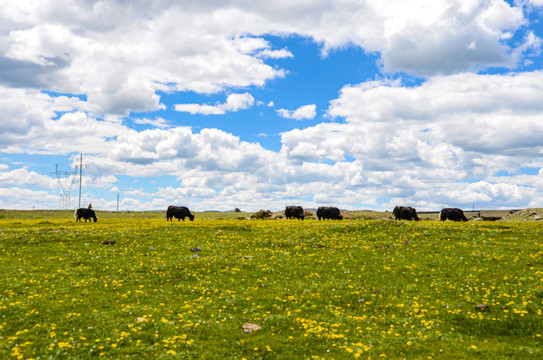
<point x="65" y="188"/>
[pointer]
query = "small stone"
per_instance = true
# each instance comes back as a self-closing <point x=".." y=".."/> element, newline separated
<point x="481" y="307"/>
<point x="249" y="328"/>
<point x="109" y="242"/>
<point x="195" y="249"/>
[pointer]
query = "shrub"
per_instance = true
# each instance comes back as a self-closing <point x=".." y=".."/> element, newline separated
<point x="262" y="214"/>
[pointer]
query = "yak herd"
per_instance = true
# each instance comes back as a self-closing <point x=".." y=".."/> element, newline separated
<point x="293" y="212"/>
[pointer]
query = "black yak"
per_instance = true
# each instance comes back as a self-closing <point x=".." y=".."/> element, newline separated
<point x="292" y="212"/>
<point x="332" y="213"/>
<point x="178" y="212"/>
<point x="453" y="214"/>
<point x="85" y="213"/>
<point x="405" y="213"/>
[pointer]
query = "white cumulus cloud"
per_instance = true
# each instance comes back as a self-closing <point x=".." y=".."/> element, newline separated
<point x="303" y="112"/>
<point x="275" y="54"/>
<point x="121" y="56"/>
<point x="234" y="102"/>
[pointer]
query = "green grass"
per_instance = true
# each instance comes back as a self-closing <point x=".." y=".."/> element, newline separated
<point x="109" y="215"/>
<point x="356" y="288"/>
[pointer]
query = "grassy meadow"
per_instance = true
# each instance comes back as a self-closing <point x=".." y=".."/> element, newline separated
<point x="134" y="285"/>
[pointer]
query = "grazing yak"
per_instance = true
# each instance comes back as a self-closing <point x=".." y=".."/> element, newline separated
<point x="405" y="213"/>
<point x="332" y="213"/>
<point x="453" y="214"/>
<point x="178" y="212"/>
<point x="292" y="212"/>
<point x="86" y="214"/>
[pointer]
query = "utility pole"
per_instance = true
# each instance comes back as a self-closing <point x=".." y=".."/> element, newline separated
<point x="118" y="194"/>
<point x="80" y="175"/>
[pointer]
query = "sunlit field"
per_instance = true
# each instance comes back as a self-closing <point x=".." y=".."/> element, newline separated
<point x="234" y="289"/>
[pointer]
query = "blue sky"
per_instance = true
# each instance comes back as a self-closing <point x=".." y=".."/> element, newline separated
<point x="361" y="105"/>
<point x="312" y="79"/>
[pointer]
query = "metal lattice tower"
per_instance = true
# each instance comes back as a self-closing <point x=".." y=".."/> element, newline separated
<point x="65" y="180"/>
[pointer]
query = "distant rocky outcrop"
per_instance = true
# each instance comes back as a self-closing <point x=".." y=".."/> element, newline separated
<point x="535" y="214"/>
